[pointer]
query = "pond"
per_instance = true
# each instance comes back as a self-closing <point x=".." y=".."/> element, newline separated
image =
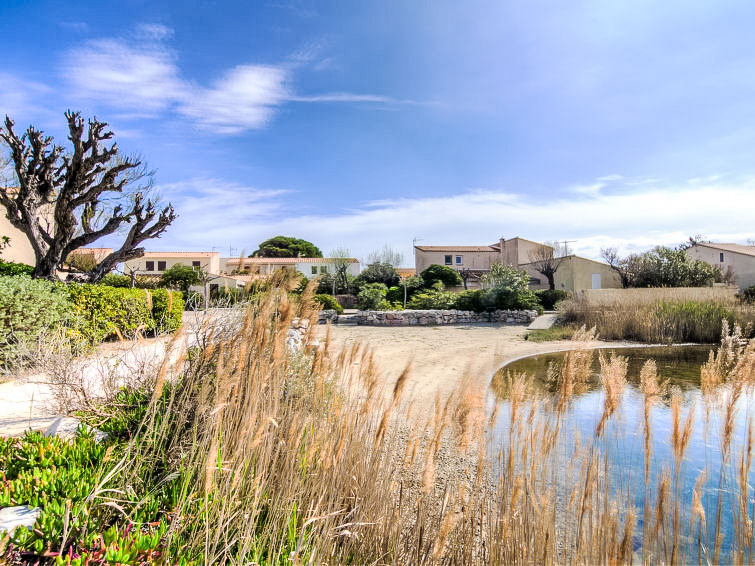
<point x="717" y="463"/>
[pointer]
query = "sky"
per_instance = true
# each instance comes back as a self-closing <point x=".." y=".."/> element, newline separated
<point x="360" y="124"/>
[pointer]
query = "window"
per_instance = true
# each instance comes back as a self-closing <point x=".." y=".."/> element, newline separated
<point x="196" y="264"/>
<point x="150" y="266"/>
<point x="448" y="260"/>
<point x="323" y="269"/>
<point x="161" y="266"/>
<point x="314" y="270"/>
<point x="721" y="257"/>
<point x="458" y="260"/>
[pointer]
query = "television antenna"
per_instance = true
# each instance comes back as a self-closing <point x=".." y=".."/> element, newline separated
<point x="566" y="245"/>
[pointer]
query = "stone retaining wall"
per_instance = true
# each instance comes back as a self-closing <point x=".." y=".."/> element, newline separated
<point x="432" y="317"/>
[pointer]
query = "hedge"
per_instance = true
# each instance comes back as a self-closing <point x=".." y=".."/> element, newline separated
<point x="13" y="268"/>
<point x="102" y="312"/>
<point x="28" y="307"/>
<point x="89" y="313"/>
<point x="167" y="309"/>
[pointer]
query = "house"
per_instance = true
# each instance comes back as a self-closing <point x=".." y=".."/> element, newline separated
<point x="19" y="249"/>
<point x="576" y="273"/>
<point x="155" y="263"/>
<point x="310" y="266"/>
<point x="475" y="258"/>
<point x="406" y="272"/>
<point x="86" y="257"/>
<point x="737" y="259"/>
<point x="472" y="262"/>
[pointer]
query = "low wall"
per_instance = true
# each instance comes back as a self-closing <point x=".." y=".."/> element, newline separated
<point x="432" y="317"/>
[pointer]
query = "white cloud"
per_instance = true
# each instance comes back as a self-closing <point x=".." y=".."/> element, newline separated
<point x="213" y="212"/>
<point x="153" y="32"/>
<point x="244" y="98"/>
<point x="19" y="97"/>
<point x="141" y="77"/>
<point x="631" y="221"/>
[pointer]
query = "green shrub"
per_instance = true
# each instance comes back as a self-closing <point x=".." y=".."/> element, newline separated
<point x="101" y="312"/>
<point x="432" y="300"/>
<point x="512" y="299"/>
<point x="548" y="298"/>
<point x="372" y="297"/>
<point x="124" y="281"/>
<point x="329" y="302"/>
<point x="748" y="294"/>
<point x="180" y="277"/>
<point x="13" y="268"/>
<point x="116" y="280"/>
<point x="446" y="275"/>
<point x="167" y="310"/>
<point x="28" y="307"/>
<point x="472" y="300"/>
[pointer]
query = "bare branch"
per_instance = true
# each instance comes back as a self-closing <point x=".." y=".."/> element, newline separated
<point x="63" y="202"/>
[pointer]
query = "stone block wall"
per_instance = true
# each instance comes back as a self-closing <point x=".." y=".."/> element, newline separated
<point x="434" y="317"/>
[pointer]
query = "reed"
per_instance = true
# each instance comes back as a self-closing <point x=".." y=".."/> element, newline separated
<point x="659" y="315"/>
<point x="269" y="457"/>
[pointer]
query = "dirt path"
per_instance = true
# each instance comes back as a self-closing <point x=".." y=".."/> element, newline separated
<point x="443" y="356"/>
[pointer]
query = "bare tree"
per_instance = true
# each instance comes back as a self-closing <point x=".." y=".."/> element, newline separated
<point x="386" y="255"/>
<point x="618" y="264"/>
<point x="64" y="201"/>
<point x="341" y="259"/>
<point x="546" y="259"/>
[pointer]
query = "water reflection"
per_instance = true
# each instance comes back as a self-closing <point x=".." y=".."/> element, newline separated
<point x="622" y="441"/>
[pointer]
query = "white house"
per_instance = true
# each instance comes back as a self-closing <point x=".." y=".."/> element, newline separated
<point x="310" y="266"/>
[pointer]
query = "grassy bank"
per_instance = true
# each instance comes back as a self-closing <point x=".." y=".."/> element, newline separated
<point x="658" y="315"/>
<point x="245" y="453"/>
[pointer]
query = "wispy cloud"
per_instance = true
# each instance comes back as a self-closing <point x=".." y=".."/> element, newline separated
<point x="244" y="98"/>
<point x="141" y="77"/>
<point x="137" y="78"/>
<point x="214" y="212"/>
<point x="630" y="220"/>
<point x="19" y="98"/>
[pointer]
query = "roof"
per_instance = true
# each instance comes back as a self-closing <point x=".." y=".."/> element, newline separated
<point x="181" y="254"/>
<point x="456" y="248"/>
<point x="288" y="260"/>
<point x="494" y="247"/>
<point x="93" y="250"/>
<point x="734" y="248"/>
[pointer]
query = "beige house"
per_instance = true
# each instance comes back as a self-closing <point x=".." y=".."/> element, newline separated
<point x="476" y="258"/>
<point x="155" y="263"/>
<point x="19" y="249"/>
<point x="574" y="272"/>
<point x="310" y="266"/>
<point x="735" y="258"/>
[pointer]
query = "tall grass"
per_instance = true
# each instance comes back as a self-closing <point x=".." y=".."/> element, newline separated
<point x="269" y="457"/>
<point x="658" y="315"/>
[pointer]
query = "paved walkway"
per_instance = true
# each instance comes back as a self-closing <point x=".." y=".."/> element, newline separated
<point x="543" y="322"/>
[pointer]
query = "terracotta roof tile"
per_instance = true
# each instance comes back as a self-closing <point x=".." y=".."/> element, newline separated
<point x="286" y="260"/>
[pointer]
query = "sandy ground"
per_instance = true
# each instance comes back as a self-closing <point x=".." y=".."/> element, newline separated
<point x="442" y="357"/>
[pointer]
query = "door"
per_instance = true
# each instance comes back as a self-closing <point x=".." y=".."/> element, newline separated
<point x="596" y="283"/>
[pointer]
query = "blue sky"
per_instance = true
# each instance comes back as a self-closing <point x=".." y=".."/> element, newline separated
<point x="358" y="124"/>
